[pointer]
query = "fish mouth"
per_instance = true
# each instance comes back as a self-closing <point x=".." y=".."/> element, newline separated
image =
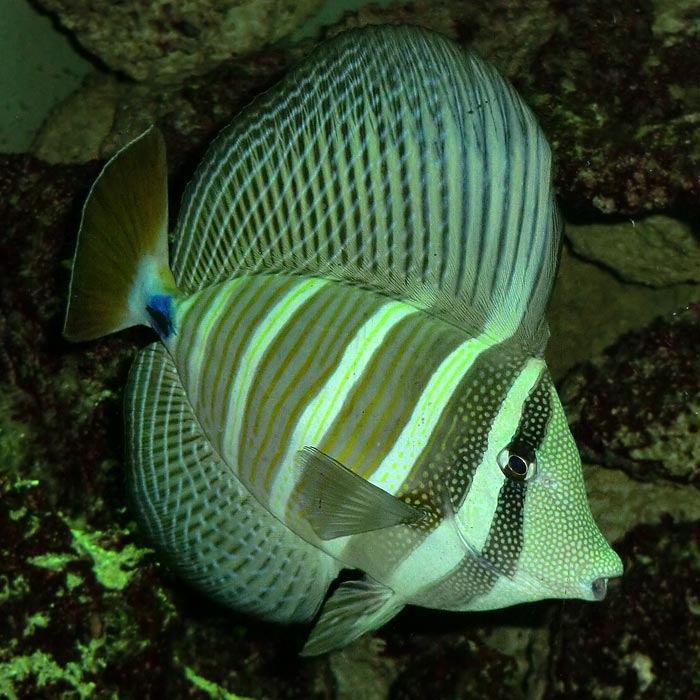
<point x="594" y="582"/>
<point x="593" y="589"/>
<point x="599" y="588"/>
<point x="596" y="589"/>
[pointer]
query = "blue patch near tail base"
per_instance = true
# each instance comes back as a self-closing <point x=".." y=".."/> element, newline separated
<point x="160" y="312"/>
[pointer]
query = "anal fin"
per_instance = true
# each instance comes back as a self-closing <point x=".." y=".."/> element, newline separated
<point x="201" y="517"/>
<point x="356" y="607"/>
<point x="337" y="502"/>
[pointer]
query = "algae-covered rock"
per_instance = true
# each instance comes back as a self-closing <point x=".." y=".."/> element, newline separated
<point x="107" y="112"/>
<point x="167" y="41"/>
<point x="645" y="641"/>
<point x="614" y="88"/>
<point x="591" y="308"/>
<point x="619" y="100"/>
<point x="91" y="613"/>
<point x="637" y="407"/>
<point x="87" y="611"/>
<point x="67" y="603"/>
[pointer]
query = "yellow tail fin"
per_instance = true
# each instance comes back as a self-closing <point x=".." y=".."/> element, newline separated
<point x="121" y="257"/>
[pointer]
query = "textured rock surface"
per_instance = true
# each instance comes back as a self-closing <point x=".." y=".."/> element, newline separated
<point x="638" y="406"/>
<point x="592" y="308"/>
<point x="619" y="501"/>
<point x="645" y="642"/>
<point x="107" y="113"/>
<point x="90" y="613"/>
<point x="166" y="41"/>
<point x="655" y="251"/>
<point x="614" y="88"/>
<point x="618" y="96"/>
<point x="91" y="113"/>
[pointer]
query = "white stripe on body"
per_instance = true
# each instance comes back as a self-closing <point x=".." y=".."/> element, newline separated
<point x="447" y="545"/>
<point x="320" y="415"/>
<point x="414" y="437"/>
<point x="476" y="514"/>
<point x="192" y="349"/>
<point x="265" y="334"/>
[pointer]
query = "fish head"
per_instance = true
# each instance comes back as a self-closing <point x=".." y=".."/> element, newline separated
<point x="563" y="548"/>
<point x="547" y="521"/>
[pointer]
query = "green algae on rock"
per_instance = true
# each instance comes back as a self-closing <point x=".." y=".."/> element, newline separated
<point x="80" y="621"/>
<point x="113" y="569"/>
<point x="602" y="167"/>
<point x="619" y="102"/>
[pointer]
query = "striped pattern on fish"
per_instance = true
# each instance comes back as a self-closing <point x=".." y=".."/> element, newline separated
<point x="278" y="349"/>
<point x="350" y="372"/>
<point x="284" y="362"/>
<point x="186" y="496"/>
<point x="360" y="148"/>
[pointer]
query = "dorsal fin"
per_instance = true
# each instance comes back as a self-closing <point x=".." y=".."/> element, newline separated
<point x="389" y="158"/>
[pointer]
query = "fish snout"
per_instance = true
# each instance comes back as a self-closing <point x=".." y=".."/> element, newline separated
<point x="595" y="588"/>
<point x="599" y="588"/>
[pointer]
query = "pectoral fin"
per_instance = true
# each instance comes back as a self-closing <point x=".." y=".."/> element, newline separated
<point x="356" y="607"/>
<point x="337" y="502"/>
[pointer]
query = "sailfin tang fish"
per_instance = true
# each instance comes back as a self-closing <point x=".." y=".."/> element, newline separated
<point x="350" y="369"/>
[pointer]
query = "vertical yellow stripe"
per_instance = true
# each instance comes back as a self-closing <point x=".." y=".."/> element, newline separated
<point x="265" y="334"/>
<point x="321" y="413"/>
<point x="427" y="411"/>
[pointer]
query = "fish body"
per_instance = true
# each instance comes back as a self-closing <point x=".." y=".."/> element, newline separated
<point x="350" y="371"/>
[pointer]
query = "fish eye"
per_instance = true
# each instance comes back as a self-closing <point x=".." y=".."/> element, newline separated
<point x="517" y="461"/>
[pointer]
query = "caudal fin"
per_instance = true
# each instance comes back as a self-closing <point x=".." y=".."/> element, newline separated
<point x="121" y="257"/>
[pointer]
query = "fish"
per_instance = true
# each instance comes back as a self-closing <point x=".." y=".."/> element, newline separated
<point x="348" y="389"/>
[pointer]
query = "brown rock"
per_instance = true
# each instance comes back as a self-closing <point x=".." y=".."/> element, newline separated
<point x="165" y="41"/>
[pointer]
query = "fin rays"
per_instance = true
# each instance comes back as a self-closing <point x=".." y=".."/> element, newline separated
<point x="199" y="514"/>
<point x="355" y="608"/>
<point x="429" y="183"/>
<point x="122" y="251"/>
<point x="337" y="502"/>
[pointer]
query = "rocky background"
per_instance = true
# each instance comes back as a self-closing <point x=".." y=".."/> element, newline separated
<point x="87" y="611"/>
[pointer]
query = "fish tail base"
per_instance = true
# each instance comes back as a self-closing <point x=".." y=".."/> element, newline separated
<point x="121" y="258"/>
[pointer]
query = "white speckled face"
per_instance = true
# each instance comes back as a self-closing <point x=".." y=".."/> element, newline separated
<point x="563" y="550"/>
<point x="538" y="539"/>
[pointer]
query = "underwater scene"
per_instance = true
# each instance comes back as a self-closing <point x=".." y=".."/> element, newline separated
<point x="349" y="350"/>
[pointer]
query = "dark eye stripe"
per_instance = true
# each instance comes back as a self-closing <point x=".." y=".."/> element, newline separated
<point x="505" y="540"/>
<point x="476" y="403"/>
<point x="537" y="412"/>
